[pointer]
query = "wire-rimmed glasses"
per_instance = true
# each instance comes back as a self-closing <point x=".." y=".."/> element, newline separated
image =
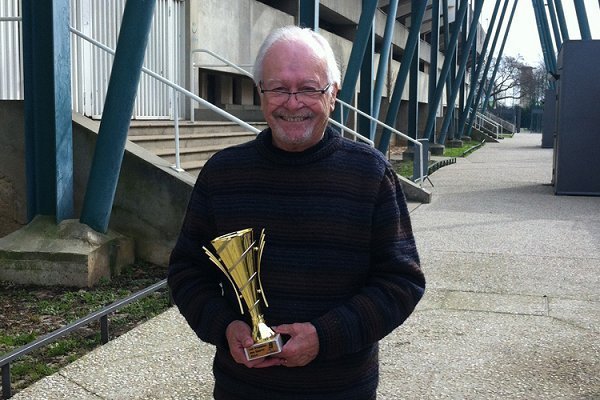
<point x="281" y="96"/>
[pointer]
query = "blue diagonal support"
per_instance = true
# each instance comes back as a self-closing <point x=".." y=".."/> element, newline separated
<point x="365" y="94"/>
<point x="486" y="69"/>
<point x="409" y="50"/>
<point x="479" y="66"/>
<point x="544" y="33"/>
<point x="584" y="25"/>
<point x="555" y="25"/>
<point x="460" y="16"/>
<point x="500" y="53"/>
<point x="562" y="22"/>
<point x="47" y="102"/>
<point x="308" y="11"/>
<point x="461" y="69"/>
<point x="384" y="55"/>
<point x="434" y="51"/>
<point x="359" y="47"/>
<point x="116" y="116"/>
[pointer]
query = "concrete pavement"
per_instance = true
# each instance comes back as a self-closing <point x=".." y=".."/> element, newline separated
<point x="512" y="308"/>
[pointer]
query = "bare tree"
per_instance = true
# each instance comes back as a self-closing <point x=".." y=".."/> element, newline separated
<point x="507" y="82"/>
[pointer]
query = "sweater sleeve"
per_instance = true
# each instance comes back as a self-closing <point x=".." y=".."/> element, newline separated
<point x="393" y="289"/>
<point x="194" y="282"/>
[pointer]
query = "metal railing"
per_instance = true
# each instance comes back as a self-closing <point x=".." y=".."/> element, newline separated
<point x="507" y="126"/>
<point x="480" y="122"/>
<point x="395" y="131"/>
<point x="176" y="90"/>
<point x="51" y="337"/>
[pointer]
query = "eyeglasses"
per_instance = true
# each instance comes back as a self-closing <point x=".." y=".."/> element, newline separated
<point x="281" y="96"/>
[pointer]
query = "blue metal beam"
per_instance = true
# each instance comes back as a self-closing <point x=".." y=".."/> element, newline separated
<point x="555" y="26"/>
<point x="480" y="63"/>
<point x="560" y="13"/>
<point x="308" y="14"/>
<point x="384" y="55"/>
<point x="365" y="94"/>
<point x="500" y="53"/>
<point x="486" y="69"/>
<point x="544" y="32"/>
<point x="460" y="16"/>
<point x="434" y="50"/>
<point x="116" y="116"/>
<point x="48" y="129"/>
<point x="356" y="55"/>
<point x="413" y="89"/>
<point x="584" y="26"/>
<point x="461" y="69"/>
<point x="416" y="20"/>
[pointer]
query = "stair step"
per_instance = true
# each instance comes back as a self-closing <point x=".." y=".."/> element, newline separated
<point x="189" y="150"/>
<point x="171" y="137"/>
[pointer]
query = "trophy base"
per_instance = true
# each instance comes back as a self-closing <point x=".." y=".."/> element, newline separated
<point x="263" y="349"/>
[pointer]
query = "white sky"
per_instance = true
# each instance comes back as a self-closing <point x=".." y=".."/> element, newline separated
<point x="523" y="37"/>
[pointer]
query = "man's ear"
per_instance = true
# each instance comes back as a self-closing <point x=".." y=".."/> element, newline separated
<point x="334" y="92"/>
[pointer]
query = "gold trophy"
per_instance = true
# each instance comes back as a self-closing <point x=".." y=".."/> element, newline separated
<point x="238" y="257"/>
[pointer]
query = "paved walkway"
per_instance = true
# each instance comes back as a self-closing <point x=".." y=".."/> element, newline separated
<point x="512" y="309"/>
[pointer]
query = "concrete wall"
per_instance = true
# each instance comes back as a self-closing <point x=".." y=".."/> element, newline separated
<point x="13" y="199"/>
<point x="236" y="29"/>
<point x="150" y="201"/>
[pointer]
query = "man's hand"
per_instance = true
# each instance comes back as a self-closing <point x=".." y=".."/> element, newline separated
<point x="239" y="336"/>
<point x="302" y="347"/>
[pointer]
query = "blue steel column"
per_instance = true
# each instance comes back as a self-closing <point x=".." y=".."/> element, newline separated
<point x="48" y="129"/>
<point x="461" y="69"/>
<point x="413" y="90"/>
<point x="416" y="19"/>
<point x="365" y="94"/>
<point x="547" y="34"/>
<point x="555" y="27"/>
<point x="486" y="69"/>
<point x="480" y="63"/>
<point x="308" y="14"/>
<point x="544" y="33"/>
<point x="356" y="55"/>
<point x="116" y="116"/>
<point x="460" y="15"/>
<point x="584" y="26"/>
<point x="491" y="82"/>
<point x="560" y="13"/>
<point x="433" y="55"/>
<point x="384" y="56"/>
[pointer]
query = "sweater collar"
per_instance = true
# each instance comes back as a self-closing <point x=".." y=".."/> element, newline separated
<point x="330" y="142"/>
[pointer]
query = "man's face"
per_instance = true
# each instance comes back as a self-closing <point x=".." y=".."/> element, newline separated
<point x="296" y="124"/>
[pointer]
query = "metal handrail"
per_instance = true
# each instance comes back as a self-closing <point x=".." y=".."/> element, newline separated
<point x="505" y="125"/>
<point x="177" y="89"/>
<point x="51" y="337"/>
<point x="484" y="119"/>
<point x="395" y="131"/>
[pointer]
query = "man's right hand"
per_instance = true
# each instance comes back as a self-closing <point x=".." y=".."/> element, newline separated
<point x="239" y="336"/>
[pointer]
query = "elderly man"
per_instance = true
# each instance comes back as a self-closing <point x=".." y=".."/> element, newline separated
<point x="340" y="267"/>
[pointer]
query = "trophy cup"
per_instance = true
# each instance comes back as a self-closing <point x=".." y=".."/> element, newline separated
<point x="238" y="256"/>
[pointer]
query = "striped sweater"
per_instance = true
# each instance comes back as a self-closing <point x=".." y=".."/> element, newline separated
<point x="339" y="253"/>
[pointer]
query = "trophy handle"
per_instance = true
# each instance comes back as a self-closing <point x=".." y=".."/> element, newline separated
<point x="261" y="246"/>
<point x="223" y="269"/>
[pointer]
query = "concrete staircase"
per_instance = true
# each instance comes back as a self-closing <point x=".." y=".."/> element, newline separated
<point x="198" y="141"/>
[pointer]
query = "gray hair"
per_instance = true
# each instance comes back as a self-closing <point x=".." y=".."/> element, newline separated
<point x="307" y="36"/>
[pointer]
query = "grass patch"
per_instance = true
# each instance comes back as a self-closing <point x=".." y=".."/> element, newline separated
<point x="460" y="151"/>
<point x="29" y="312"/>
<point x="405" y="167"/>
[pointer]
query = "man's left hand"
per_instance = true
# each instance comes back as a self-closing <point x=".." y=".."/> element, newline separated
<point x="302" y="346"/>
